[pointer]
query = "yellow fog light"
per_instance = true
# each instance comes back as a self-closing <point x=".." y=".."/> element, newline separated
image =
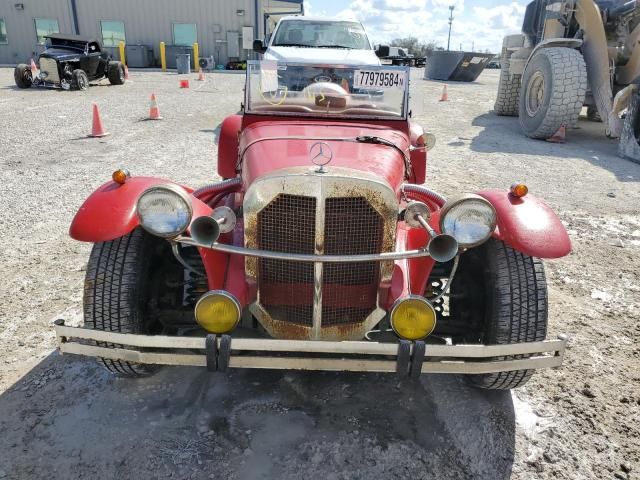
<point x="218" y="311"/>
<point x="412" y="317"/>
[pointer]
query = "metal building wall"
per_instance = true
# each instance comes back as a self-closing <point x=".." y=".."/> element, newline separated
<point x="21" y="31"/>
<point x="150" y="21"/>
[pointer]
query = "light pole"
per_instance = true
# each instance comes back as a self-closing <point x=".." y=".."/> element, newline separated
<point x="451" y="7"/>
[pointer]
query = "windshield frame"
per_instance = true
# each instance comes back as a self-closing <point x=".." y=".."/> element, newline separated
<point x="337" y="116"/>
<point x="275" y="33"/>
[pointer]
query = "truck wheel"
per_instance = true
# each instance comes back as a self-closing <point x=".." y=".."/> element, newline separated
<point x="79" y="79"/>
<point x="22" y="76"/>
<point x="120" y="292"/>
<point x="553" y="88"/>
<point x="500" y="295"/>
<point x="115" y="73"/>
<point x="508" y="89"/>
<point x="629" y="146"/>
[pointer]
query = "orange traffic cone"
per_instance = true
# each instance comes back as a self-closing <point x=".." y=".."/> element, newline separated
<point x="126" y="72"/>
<point x="34" y="69"/>
<point x="154" y="111"/>
<point x="559" y="136"/>
<point x="97" y="130"/>
<point x="445" y="95"/>
<point x="184" y="83"/>
<point x="200" y="75"/>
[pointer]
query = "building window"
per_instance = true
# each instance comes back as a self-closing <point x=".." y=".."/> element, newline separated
<point x="184" y="34"/>
<point x="45" y="26"/>
<point x="3" y="32"/>
<point x="112" y="33"/>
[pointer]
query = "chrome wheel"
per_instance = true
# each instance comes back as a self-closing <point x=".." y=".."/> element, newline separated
<point x="534" y="95"/>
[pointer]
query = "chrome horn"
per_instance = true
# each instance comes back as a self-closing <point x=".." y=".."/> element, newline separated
<point x="443" y="247"/>
<point x="207" y="229"/>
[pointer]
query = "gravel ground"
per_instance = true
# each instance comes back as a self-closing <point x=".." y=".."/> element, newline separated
<point x="67" y="418"/>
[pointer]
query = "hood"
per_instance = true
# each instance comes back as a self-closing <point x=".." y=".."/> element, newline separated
<point x="330" y="56"/>
<point x="267" y="150"/>
<point x="63" y="54"/>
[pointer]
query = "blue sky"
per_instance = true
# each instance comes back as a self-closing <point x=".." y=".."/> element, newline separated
<point x="481" y="23"/>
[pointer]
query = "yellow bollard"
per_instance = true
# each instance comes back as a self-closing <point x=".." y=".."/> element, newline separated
<point x="196" y="59"/>
<point x="122" y="55"/>
<point x="163" y="57"/>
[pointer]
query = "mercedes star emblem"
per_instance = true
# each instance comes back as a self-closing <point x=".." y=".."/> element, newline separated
<point x="321" y="155"/>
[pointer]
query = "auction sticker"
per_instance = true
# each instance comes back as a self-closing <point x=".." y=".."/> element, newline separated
<point x="380" y="79"/>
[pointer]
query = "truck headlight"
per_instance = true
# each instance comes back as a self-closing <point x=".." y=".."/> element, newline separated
<point x="470" y="219"/>
<point x="164" y="210"/>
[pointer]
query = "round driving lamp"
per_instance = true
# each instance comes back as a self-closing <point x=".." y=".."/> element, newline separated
<point x="412" y="317"/>
<point x="164" y="210"/>
<point x="218" y="312"/>
<point x="470" y="219"/>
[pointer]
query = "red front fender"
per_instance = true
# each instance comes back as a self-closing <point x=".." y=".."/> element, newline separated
<point x="110" y="211"/>
<point x="528" y="225"/>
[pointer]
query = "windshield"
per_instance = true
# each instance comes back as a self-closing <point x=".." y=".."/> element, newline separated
<point x="275" y="88"/>
<point x="304" y="33"/>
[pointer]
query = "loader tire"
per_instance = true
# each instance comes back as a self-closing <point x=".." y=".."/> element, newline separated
<point x="506" y="103"/>
<point x="117" y="294"/>
<point x="554" y="85"/>
<point x="501" y="294"/>
<point x="629" y="146"/>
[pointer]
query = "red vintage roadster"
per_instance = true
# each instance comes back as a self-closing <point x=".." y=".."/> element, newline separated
<point x="321" y="249"/>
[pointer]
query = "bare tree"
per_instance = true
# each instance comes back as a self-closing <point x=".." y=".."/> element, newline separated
<point x="415" y="46"/>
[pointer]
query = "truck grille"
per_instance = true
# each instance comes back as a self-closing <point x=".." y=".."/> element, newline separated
<point x="287" y="224"/>
<point x="349" y="290"/>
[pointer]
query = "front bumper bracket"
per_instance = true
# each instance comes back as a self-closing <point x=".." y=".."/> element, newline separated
<point x="219" y="353"/>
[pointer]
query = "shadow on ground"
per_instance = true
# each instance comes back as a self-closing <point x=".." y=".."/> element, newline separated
<point x="588" y="142"/>
<point x="68" y="418"/>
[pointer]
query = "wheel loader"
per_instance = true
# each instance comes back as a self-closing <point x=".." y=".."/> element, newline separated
<point x="570" y="54"/>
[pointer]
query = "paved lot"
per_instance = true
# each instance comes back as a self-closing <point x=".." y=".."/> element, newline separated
<point x="67" y="418"/>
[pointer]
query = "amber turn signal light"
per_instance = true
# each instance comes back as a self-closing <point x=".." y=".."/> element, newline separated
<point x="120" y="176"/>
<point x="519" y="190"/>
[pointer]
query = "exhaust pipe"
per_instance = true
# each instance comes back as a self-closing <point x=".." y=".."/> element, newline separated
<point x="441" y="247"/>
<point x="207" y="229"/>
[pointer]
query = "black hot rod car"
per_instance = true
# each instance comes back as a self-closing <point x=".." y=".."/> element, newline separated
<point x="71" y="61"/>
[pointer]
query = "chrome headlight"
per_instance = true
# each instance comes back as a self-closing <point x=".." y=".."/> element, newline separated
<point x="470" y="219"/>
<point x="164" y="210"/>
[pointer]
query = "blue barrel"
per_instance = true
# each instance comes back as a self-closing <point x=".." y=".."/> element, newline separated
<point x="183" y="63"/>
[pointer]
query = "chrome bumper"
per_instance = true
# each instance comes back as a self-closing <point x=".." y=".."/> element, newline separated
<point x="222" y="352"/>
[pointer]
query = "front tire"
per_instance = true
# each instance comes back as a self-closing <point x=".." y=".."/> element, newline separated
<point x="115" y="73"/>
<point x="509" y="87"/>
<point x="501" y="295"/>
<point x="554" y="85"/>
<point x="118" y="293"/>
<point x="79" y="79"/>
<point x="22" y="76"/>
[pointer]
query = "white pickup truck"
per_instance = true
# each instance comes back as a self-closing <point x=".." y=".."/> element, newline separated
<point x="317" y="40"/>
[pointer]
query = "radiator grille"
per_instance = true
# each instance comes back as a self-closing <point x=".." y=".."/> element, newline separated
<point x="350" y="290"/>
<point x="50" y="66"/>
<point x="288" y="225"/>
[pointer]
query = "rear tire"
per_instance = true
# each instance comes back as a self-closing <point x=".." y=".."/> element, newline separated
<point x="501" y="294"/>
<point x="79" y="80"/>
<point x="118" y="293"/>
<point x="22" y="76"/>
<point x="554" y="85"/>
<point x="115" y="73"/>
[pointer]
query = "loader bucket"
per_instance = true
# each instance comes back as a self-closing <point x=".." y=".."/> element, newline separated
<point x="455" y="66"/>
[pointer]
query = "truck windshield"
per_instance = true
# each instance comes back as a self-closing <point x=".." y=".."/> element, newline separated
<point x="276" y="88"/>
<point x="305" y="33"/>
